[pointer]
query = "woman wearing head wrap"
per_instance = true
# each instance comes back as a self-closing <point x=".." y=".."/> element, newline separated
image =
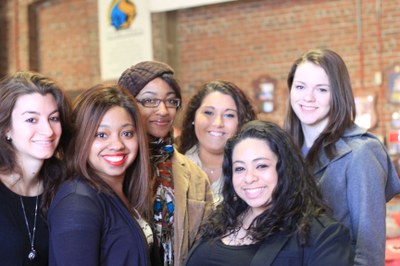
<point x="181" y="190"/>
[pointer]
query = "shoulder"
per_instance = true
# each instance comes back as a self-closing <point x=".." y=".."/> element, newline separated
<point x="359" y="139"/>
<point x="76" y="186"/>
<point x="76" y="193"/>
<point x="193" y="154"/>
<point x="182" y="163"/>
<point x="323" y="227"/>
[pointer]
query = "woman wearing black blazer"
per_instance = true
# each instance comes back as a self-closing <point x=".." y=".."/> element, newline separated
<point x="272" y="212"/>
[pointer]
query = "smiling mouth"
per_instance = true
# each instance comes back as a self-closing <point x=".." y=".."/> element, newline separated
<point x="216" y="134"/>
<point x="253" y="192"/>
<point x="115" y="160"/>
<point x="308" y="108"/>
<point x="163" y="123"/>
<point x="43" y="142"/>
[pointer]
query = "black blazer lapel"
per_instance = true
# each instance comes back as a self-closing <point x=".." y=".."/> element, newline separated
<point x="272" y="246"/>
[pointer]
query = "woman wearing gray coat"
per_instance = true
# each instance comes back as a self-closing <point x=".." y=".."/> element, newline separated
<point x="352" y="167"/>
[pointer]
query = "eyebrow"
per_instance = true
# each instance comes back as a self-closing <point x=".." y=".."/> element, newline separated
<point x="212" y="107"/>
<point x="37" y="113"/>
<point x="255" y="160"/>
<point x="302" y="82"/>
<point x="123" y="126"/>
<point x="155" y="93"/>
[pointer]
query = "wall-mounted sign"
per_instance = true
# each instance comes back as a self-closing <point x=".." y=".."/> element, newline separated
<point x="168" y="5"/>
<point x="124" y="35"/>
<point x="264" y="88"/>
<point x="394" y="84"/>
<point x="366" y="115"/>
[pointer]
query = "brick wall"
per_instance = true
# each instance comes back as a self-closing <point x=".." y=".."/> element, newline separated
<point x="238" y="41"/>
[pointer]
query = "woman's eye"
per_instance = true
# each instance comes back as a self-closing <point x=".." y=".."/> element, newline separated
<point x="299" y="87"/>
<point x="149" y="101"/>
<point x="262" y="166"/>
<point x="55" y="118"/>
<point x="230" y="115"/>
<point x="100" y="135"/>
<point x="238" y="169"/>
<point x="128" y="134"/>
<point x="209" y="113"/>
<point x="31" y="120"/>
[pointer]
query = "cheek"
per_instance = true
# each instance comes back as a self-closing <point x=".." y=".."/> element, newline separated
<point x="172" y="113"/>
<point x="200" y="122"/>
<point x="135" y="148"/>
<point x="292" y="96"/>
<point x="57" y="129"/>
<point x="327" y="102"/>
<point x="232" y="127"/>
<point x="95" y="149"/>
<point x="145" y="113"/>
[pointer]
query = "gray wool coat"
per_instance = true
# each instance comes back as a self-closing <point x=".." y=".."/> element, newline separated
<point x="356" y="184"/>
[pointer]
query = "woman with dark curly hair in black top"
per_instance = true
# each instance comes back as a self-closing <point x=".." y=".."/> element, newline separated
<point x="272" y="212"/>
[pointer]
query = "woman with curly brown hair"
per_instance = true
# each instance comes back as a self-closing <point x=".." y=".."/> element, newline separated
<point x="213" y="115"/>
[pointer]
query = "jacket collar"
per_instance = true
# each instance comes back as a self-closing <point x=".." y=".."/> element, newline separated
<point x="342" y="148"/>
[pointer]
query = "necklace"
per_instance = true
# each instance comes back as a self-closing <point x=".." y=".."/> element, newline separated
<point x="212" y="170"/>
<point x="235" y="240"/>
<point x="32" y="254"/>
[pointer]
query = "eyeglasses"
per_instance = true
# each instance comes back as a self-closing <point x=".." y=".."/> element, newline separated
<point x="153" y="103"/>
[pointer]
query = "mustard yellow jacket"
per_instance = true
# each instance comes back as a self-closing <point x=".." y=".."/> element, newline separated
<point x="193" y="203"/>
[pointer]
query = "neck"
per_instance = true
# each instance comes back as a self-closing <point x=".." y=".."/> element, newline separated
<point x="210" y="160"/>
<point x="23" y="186"/>
<point x="310" y="135"/>
<point x="211" y="164"/>
<point x="116" y="184"/>
<point x="26" y="183"/>
<point x="312" y="132"/>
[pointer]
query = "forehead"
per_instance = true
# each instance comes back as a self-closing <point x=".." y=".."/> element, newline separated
<point x="157" y="87"/>
<point x="117" y="115"/>
<point x="218" y="99"/>
<point x="249" y="148"/>
<point x="309" y="72"/>
<point x="35" y="102"/>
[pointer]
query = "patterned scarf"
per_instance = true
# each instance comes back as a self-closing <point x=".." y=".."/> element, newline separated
<point x="161" y="151"/>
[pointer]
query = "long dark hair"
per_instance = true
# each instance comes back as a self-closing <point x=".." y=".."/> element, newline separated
<point x="187" y="138"/>
<point x="295" y="200"/>
<point x="342" y="106"/>
<point x="11" y="88"/>
<point x="88" y="109"/>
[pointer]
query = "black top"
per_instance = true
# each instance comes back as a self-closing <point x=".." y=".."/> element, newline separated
<point x="15" y="243"/>
<point x="216" y="253"/>
<point x="329" y="245"/>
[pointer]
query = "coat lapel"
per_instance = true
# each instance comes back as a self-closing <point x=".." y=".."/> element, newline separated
<point x="180" y="216"/>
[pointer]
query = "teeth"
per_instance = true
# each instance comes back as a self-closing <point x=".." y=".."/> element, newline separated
<point x="308" y="108"/>
<point x="216" y="134"/>
<point x="42" y="141"/>
<point x="114" y="158"/>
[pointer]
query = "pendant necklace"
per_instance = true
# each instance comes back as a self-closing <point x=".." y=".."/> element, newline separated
<point x="212" y="170"/>
<point x="32" y="254"/>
